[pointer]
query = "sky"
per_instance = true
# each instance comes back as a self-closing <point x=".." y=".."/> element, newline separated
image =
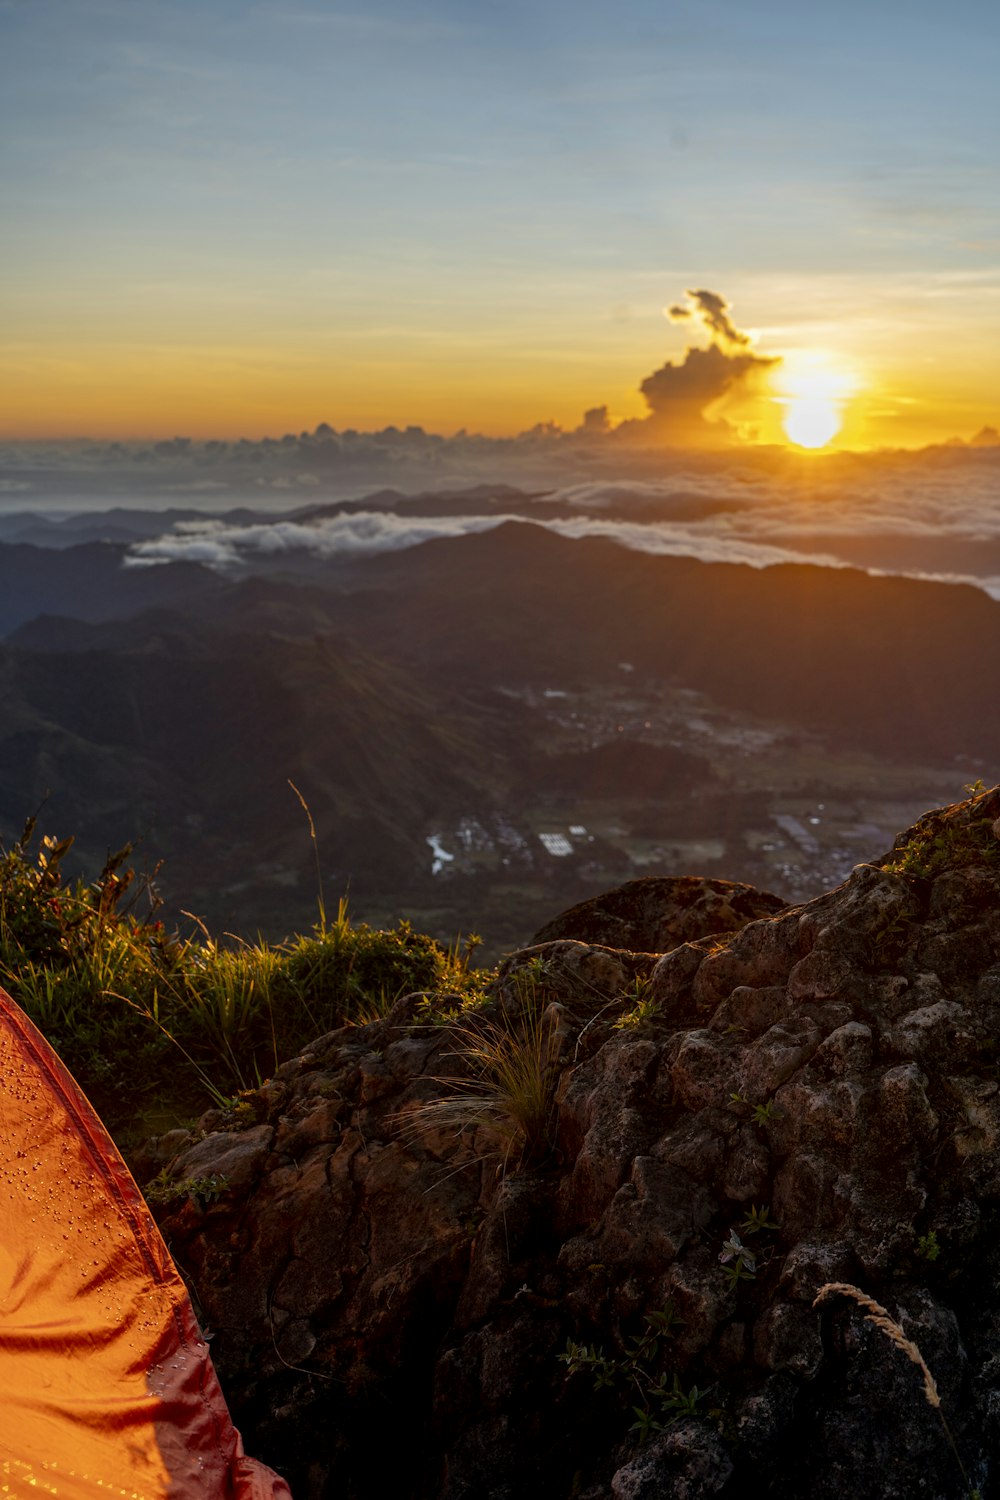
<point x="224" y="218"/>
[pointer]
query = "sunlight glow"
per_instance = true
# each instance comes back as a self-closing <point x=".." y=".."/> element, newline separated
<point x="810" y="423"/>
<point x="814" y="391"/>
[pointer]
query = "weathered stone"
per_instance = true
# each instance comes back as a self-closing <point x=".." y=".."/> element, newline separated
<point x="812" y="1098"/>
<point x="786" y="1337"/>
<point x="847" y="1051"/>
<point x="810" y="1266"/>
<point x="704" y="1072"/>
<point x="747" y="1169"/>
<point x="752" y="1011"/>
<point x="237" y="1160"/>
<point x="657" y="912"/>
<point x="687" y="1463"/>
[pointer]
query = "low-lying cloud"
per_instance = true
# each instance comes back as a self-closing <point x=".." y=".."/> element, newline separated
<point x="232" y="548"/>
<point x="349" y="533"/>
<point x="923" y="518"/>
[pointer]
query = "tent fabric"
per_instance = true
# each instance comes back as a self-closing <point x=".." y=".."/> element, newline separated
<point x="107" y="1388"/>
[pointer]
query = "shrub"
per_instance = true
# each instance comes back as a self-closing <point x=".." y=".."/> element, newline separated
<point x="146" y="1018"/>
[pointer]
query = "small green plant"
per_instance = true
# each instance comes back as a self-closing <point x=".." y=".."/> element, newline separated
<point x="664" y="1323"/>
<point x="671" y="1401"/>
<point x="588" y="1357"/>
<point x="758" y="1219"/>
<point x="887" y="939"/>
<point x="536" y="969"/>
<point x="642" y="1007"/>
<point x="203" y="1190"/>
<point x="760" y="1114"/>
<point x="928" y="1247"/>
<point x="955" y="840"/>
<point x="739" y="1262"/>
<point x="656" y="1398"/>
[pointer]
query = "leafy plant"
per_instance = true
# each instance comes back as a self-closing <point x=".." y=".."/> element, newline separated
<point x="656" y="1397"/>
<point x="957" y="840"/>
<point x="761" y="1114"/>
<point x="757" y="1220"/>
<point x="928" y="1247"/>
<point x="643" y="1006"/>
<point x="203" y="1190"/>
<point x="738" y="1260"/>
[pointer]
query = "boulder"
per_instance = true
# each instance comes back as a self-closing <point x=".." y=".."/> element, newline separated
<point x="423" y="1284"/>
<point x="658" y="912"/>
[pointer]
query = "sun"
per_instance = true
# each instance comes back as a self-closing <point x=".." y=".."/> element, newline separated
<point x="815" y="390"/>
<point x="811" y="422"/>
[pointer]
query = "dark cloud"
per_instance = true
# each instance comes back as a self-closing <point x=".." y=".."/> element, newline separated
<point x="680" y="396"/>
<point x="596" y="422"/>
<point x="712" y="310"/>
<point x="704" y="376"/>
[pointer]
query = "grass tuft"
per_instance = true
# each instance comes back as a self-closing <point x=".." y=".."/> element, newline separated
<point x="509" y="1095"/>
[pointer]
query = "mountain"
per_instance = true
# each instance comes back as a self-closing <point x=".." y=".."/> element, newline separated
<point x="893" y="664"/>
<point x="189" y="738"/>
<point x="485" y="722"/>
<point x="89" y="582"/>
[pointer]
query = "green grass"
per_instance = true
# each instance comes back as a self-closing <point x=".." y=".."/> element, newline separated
<point x="148" y="1019"/>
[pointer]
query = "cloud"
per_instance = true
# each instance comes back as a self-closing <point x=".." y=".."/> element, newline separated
<point x="712" y="310"/>
<point x="683" y="398"/>
<point x="228" y="548"/>
<point x="932" y="514"/>
<point x="685" y="430"/>
<point x="237" y="548"/>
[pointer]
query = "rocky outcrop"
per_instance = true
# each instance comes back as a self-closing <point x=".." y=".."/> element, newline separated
<point x="656" y="912"/>
<point x="592" y="1271"/>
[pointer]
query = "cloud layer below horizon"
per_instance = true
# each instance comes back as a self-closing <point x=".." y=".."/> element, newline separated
<point x="934" y="520"/>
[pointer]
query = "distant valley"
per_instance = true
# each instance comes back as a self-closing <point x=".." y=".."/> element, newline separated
<point x="485" y="726"/>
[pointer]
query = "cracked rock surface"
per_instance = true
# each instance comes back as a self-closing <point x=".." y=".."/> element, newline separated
<point x="424" y="1303"/>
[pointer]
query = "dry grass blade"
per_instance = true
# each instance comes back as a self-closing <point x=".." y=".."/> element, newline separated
<point x="509" y="1096"/>
<point x="882" y="1319"/>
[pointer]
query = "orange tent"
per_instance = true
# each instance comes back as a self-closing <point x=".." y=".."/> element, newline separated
<point x="106" y="1385"/>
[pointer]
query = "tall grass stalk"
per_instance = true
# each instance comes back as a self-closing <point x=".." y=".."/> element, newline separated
<point x="880" y="1318"/>
<point x="320" y="898"/>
